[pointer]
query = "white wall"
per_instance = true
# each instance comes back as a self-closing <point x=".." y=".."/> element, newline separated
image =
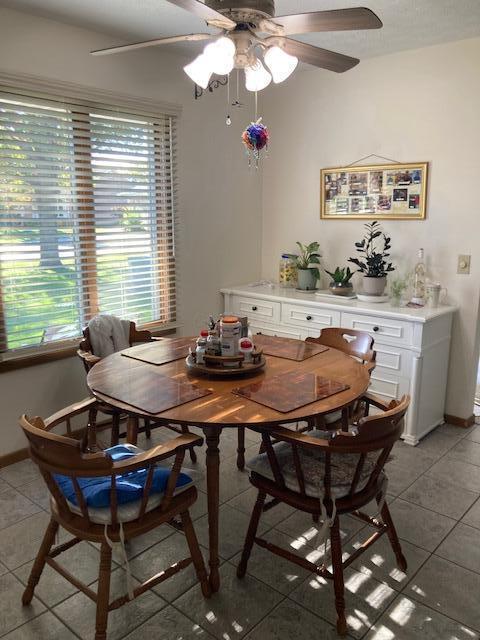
<point x="219" y="204"/>
<point x="412" y="106"/>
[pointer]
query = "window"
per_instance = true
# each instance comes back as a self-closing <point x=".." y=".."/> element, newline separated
<point x="87" y="218"/>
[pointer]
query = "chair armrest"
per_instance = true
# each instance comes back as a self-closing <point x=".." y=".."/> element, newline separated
<point x="370" y="366"/>
<point x="158" y="453"/>
<point x="88" y="357"/>
<point x="301" y="439"/>
<point x="69" y="412"/>
<point x="376" y="401"/>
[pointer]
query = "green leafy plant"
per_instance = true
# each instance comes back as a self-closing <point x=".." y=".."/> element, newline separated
<point x="308" y="256"/>
<point x="341" y="275"/>
<point x="375" y="248"/>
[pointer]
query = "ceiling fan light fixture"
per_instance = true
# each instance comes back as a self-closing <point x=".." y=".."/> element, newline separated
<point x="280" y="63"/>
<point x="199" y="71"/>
<point x="257" y="77"/>
<point x="220" y="55"/>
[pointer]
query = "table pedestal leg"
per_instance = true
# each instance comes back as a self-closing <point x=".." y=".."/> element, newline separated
<point x="212" y="436"/>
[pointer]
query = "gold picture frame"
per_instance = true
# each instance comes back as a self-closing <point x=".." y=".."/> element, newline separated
<point x="375" y="192"/>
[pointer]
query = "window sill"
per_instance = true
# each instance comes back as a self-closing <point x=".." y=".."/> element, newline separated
<point x="42" y="357"/>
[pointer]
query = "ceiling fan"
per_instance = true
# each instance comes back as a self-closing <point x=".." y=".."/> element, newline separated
<point x="246" y="26"/>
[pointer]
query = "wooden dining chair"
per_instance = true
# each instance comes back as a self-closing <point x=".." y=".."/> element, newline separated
<point x="329" y="474"/>
<point x="89" y="359"/>
<point x="110" y="497"/>
<point x="358" y="345"/>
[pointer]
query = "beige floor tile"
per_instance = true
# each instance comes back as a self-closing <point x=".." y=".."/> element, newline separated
<point x="406" y="619"/>
<point x="465" y="450"/>
<point x="462" y="546"/>
<point x="19" y="543"/>
<point x="20" y="473"/>
<point x="245" y="502"/>
<point x="474" y="434"/>
<point x="365" y="599"/>
<point x="232" y="530"/>
<point x="439" y="495"/>
<point x="279" y="573"/>
<point x="472" y="517"/>
<point x="399" y="477"/>
<point x="15" y="507"/>
<point x="461" y="473"/>
<point x="423" y="528"/>
<point x="301" y="527"/>
<point x="288" y="621"/>
<point x="82" y="561"/>
<point x="232" y="482"/>
<point x="234" y="610"/>
<point x="448" y="588"/>
<point x="37" y="491"/>
<point x="437" y="443"/>
<point x="45" y="626"/>
<point x="78" y="612"/>
<point x="453" y="431"/>
<point x="160" y="557"/>
<point x="418" y="458"/>
<point x="12" y="612"/>
<point x="169" y="624"/>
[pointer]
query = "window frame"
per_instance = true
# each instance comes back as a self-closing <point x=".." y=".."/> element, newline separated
<point x="35" y="87"/>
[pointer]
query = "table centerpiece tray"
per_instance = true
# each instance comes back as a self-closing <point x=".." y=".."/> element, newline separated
<point x="226" y="366"/>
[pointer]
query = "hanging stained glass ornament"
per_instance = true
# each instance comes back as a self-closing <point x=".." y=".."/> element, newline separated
<point x="255" y="138"/>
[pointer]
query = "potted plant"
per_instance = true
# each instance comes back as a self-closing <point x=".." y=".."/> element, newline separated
<point x="306" y="273"/>
<point x="340" y="285"/>
<point x="397" y="287"/>
<point x="374" y="264"/>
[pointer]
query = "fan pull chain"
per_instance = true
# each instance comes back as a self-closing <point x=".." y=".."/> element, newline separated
<point x="256" y="106"/>
<point x="228" y="120"/>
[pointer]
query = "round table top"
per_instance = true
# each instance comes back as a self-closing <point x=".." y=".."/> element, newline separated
<point x="222" y="407"/>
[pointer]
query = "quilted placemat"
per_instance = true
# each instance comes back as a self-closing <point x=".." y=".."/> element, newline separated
<point x="288" y="348"/>
<point x="290" y="391"/>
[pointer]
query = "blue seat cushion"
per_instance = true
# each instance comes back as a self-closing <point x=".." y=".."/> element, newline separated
<point x="96" y="491"/>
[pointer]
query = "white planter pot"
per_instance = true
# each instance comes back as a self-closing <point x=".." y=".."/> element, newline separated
<point x="374" y="286"/>
<point x="307" y="280"/>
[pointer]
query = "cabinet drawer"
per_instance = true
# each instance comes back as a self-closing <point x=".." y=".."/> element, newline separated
<point x="309" y="317"/>
<point x="392" y="360"/>
<point x="388" y="387"/>
<point x="256" y="308"/>
<point x="284" y="332"/>
<point x="382" y="329"/>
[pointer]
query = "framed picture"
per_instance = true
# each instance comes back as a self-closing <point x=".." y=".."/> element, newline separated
<point x="382" y="191"/>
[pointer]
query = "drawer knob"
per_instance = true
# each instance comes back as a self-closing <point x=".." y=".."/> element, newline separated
<point x="376" y="329"/>
<point x="309" y="317"/>
<point x="254" y="308"/>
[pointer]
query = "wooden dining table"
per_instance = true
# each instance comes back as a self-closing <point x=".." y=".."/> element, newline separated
<point x="221" y="409"/>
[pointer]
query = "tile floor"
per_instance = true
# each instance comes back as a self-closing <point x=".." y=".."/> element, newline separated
<point x="434" y="492"/>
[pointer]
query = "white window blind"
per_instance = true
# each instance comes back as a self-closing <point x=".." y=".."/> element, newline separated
<point x="87" y="218"/>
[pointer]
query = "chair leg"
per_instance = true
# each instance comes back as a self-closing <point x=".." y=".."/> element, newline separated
<point x="393" y="537"/>
<point x="196" y="554"/>
<point x="148" y="430"/>
<point x="336" y="549"/>
<point x="103" y="592"/>
<point x="241" y="448"/>
<point x="251" y="533"/>
<point x="38" y="565"/>
<point x="132" y="429"/>
<point x="115" y="437"/>
<point x="193" y="455"/>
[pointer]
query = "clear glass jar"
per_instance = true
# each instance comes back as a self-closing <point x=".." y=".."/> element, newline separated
<point x="287" y="273"/>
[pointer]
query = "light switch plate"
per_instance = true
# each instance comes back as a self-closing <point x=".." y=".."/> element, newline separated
<point x="463" y="265"/>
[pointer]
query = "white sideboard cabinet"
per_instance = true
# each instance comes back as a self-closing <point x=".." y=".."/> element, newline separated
<point x="412" y="345"/>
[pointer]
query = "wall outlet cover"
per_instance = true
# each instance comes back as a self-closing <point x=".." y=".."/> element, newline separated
<point x="463" y="264"/>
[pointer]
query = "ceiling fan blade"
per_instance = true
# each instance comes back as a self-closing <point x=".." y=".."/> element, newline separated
<point x="212" y="17"/>
<point x="322" y="58"/>
<point x="335" y="20"/>
<point x="192" y="37"/>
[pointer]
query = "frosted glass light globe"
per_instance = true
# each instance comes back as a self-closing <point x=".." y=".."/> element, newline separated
<point x="280" y="63"/>
<point x="220" y="55"/>
<point x="257" y="77"/>
<point x="199" y="71"/>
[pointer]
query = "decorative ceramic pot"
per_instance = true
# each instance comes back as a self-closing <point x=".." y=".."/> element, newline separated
<point x="307" y="280"/>
<point x="374" y="286"/>
<point x="341" y="288"/>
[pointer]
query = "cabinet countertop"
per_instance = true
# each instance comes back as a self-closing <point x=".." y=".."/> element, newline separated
<point x="385" y="309"/>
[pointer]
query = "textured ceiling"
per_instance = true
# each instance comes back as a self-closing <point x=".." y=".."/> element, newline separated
<point x="408" y="24"/>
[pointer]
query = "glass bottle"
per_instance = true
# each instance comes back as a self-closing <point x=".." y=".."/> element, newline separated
<point x="287" y="274"/>
<point x="420" y="274"/>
